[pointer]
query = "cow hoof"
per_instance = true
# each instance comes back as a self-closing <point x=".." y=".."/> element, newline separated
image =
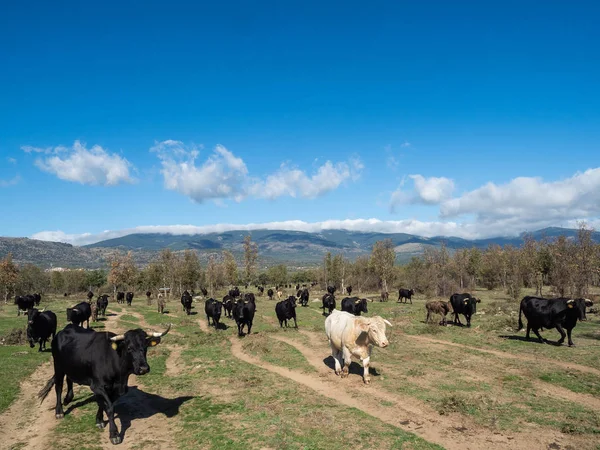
<point x="100" y="425"/>
<point x="571" y="345"/>
<point x="367" y="381"/>
<point x="60" y="416"/>
<point x="115" y="440"/>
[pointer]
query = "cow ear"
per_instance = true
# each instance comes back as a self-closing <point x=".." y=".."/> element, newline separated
<point x="364" y="327"/>
<point x="153" y="341"/>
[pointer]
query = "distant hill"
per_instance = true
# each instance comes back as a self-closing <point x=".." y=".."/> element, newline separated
<point x="294" y="248"/>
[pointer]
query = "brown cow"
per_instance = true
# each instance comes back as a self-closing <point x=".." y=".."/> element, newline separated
<point x="161" y="303"/>
<point x="437" y="307"/>
<point x="384" y="296"/>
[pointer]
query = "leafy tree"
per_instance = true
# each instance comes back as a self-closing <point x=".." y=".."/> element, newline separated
<point x="122" y="272"/>
<point x="96" y="279"/>
<point x="231" y="268"/>
<point x="8" y="276"/>
<point x="250" y="257"/>
<point x="32" y="279"/>
<point x="190" y="271"/>
<point x="278" y="275"/>
<point x="382" y="261"/>
<point x="57" y="282"/>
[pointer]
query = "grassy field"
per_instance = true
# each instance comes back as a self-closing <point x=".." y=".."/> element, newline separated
<point x="433" y="387"/>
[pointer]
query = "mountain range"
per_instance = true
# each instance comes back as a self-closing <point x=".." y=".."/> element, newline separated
<point x="294" y="248"/>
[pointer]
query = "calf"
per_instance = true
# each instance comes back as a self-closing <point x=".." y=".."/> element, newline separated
<point x="228" y="303"/>
<point x="328" y="303"/>
<point x="349" y="290"/>
<point x="279" y="294"/>
<point x="101" y="360"/>
<point x="243" y="313"/>
<point x="354" y="336"/>
<point x="304" y="296"/>
<point x="556" y="313"/>
<point x="90" y="296"/>
<point x="120" y="297"/>
<point x="24" y="303"/>
<point x="437" y="307"/>
<point x="384" y="296"/>
<point x="213" y="309"/>
<point x="40" y="326"/>
<point x="405" y="294"/>
<point x="79" y="313"/>
<point x="464" y="304"/>
<point x="37" y="299"/>
<point x="186" y="302"/>
<point x="355" y="305"/>
<point x="129" y="298"/>
<point x="270" y="294"/>
<point x="102" y="304"/>
<point x="286" y="310"/>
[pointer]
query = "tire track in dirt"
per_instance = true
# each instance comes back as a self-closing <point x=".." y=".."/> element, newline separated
<point x="505" y="355"/>
<point x="405" y="415"/>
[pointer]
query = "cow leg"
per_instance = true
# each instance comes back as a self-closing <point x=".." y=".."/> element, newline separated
<point x="410" y="298"/>
<point x="562" y="333"/>
<point x="427" y="318"/>
<point x="41" y="342"/>
<point x="336" y="359"/>
<point x="58" y="385"/>
<point x="70" y="394"/>
<point x="366" y="376"/>
<point x="468" y="320"/>
<point x="537" y="333"/>
<point x="109" y="407"/>
<point x="249" y="326"/>
<point x="347" y="360"/>
<point x="571" y="344"/>
<point x="528" y="330"/>
<point x="295" y="323"/>
<point x="100" y="414"/>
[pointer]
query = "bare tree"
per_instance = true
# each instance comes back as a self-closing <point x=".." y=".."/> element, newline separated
<point x="382" y="261"/>
<point x="250" y="257"/>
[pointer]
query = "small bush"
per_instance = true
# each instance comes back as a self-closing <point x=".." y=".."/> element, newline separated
<point x="17" y="336"/>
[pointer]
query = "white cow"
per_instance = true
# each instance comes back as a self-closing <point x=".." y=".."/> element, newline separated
<point x="350" y="335"/>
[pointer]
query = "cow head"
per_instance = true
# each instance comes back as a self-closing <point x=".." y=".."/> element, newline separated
<point x="361" y="304"/>
<point x="375" y="328"/>
<point x="70" y="312"/>
<point x="411" y="292"/>
<point x="133" y="346"/>
<point x="578" y="305"/>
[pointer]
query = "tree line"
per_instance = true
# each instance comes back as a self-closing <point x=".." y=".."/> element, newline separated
<point x="563" y="267"/>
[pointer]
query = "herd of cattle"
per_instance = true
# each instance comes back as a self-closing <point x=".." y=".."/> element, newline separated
<point x="104" y="360"/>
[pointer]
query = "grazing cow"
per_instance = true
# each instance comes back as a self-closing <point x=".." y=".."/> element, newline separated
<point x="304" y="297"/>
<point x="213" y="309"/>
<point x="437" y="307"/>
<point x="464" y="304"/>
<point x="384" y="296"/>
<point x="161" y="303"/>
<point x="102" y="304"/>
<point x="120" y="297"/>
<point x="549" y="313"/>
<point x="286" y="310"/>
<point x="186" y="302"/>
<point x="243" y="314"/>
<point x="40" y="326"/>
<point x="94" y="307"/>
<point x="129" y="298"/>
<point x="24" y="303"/>
<point x="228" y="303"/>
<point x="235" y="292"/>
<point x="331" y="290"/>
<point x="80" y="313"/>
<point x="90" y="296"/>
<point x="405" y="294"/>
<point x="101" y="360"/>
<point x="270" y="294"/>
<point x="355" y="305"/>
<point x="328" y="303"/>
<point x="148" y="298"/>
<point x="37" y="298"/>
<point x="350" y="335"/>
<point x="349" y="290"/>
<point x="204" y="291"/>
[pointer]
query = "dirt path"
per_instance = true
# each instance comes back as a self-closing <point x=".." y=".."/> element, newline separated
<point x="501" y="354"/>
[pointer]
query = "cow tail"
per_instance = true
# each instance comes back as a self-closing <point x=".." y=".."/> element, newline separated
<point x="46" y="390"/>
<point x="520" y="321"/>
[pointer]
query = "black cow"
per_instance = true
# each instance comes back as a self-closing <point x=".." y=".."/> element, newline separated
<point x="331" y="289"/>
<point x="120" y="297"/>
<point x="24" y="303"/>
<point x="228" y="303"/>
<point x="549" y="313"/>
<point x="129" y="298"/>
<point x="405" y="294"/>
<point x="261" y="290"/>
<point x="79" y="313"/>
<point x="37" y="298"/>
<point x="90" y="296"/>
<point x="186" y="302"/>
<point x="270" y="294"/>
<point x="243" y="313"/>
<point x="213" y="309"/>
<point x="235" y="292"/>
<point x="204" y="291"/>
<point x="101" y="360"/>
<point x="286" y="310"/>
<point x="464" y="304"/>
<point x="328" y="303"/>
<point x="349" y="290"/>
<point x="355" y="305"/>
<point x="249" y="297"/>
<point x="304" y="297"/>
<point x="40" y="326"/>
<point x="102" y="304"/>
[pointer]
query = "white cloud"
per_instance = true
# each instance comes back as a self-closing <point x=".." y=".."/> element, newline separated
<point x="430" y="191"/>
<point x="225" y="176"/>
<point x="14" y="180"/>
<point x="94" y="166"/>
<point x="11" y="160"/>
<point x="405" y="144"/>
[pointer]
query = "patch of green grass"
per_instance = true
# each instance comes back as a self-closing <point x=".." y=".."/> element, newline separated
<point x="573" y="380"/>
<point x="276" y="352"/>
<point x="19" y="360"/>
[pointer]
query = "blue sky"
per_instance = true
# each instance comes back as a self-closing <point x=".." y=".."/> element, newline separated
<point x="462" y="118"/>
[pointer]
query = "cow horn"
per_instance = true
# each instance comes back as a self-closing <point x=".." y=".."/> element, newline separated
<point x="154" y="334"/>
<point x="118" y="338"/>
<point x="43" y="310"/>
<point x="75" y="309"/>
<point x="588" y="302"/>
<point x="387" y="322"/>
<point x="570" y="301"/>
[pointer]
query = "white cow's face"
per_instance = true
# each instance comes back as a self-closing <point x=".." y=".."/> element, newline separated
<point x="377" y="332"/>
